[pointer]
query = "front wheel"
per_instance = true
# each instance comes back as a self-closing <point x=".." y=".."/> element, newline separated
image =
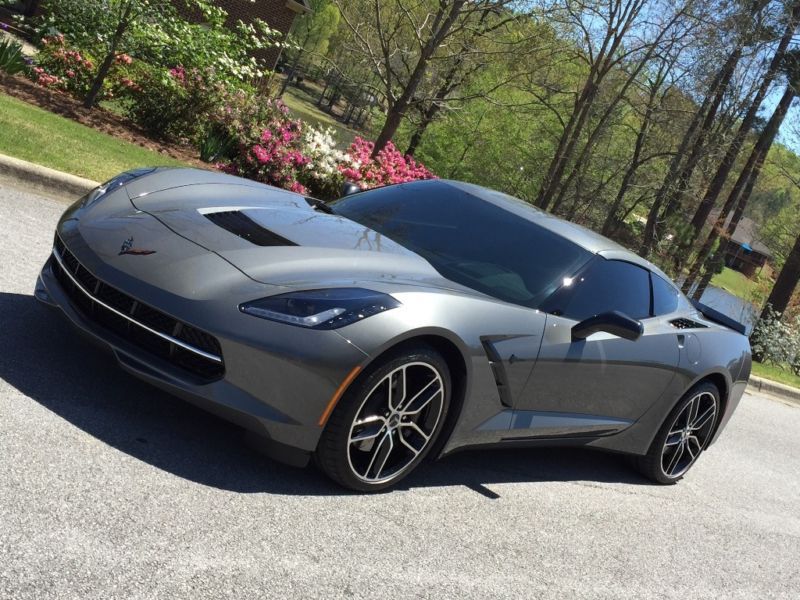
<point x="387" y="421"/>
<point x="686" y="432"/>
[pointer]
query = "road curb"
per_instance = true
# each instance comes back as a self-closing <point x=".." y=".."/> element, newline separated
<point x="773" y="388"/>
<point x="49" y="181"/>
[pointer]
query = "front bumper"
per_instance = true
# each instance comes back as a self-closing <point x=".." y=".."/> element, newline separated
<point x="277" y="379"/>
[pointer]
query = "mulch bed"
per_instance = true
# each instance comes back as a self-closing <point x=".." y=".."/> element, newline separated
<point x="97" y="118"/>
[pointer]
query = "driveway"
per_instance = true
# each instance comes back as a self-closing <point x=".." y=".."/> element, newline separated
<point x="112" y="489"/>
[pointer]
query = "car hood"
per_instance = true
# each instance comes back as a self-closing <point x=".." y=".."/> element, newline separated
<point x="276" y="237"/>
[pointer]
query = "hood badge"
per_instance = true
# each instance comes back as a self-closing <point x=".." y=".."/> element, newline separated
<point x="127" y="248"/>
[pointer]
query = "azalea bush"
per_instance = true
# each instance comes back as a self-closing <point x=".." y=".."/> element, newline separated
<point x="61" y="66"/>
<point x="289" y="154"/>
<point x="388" y="167"/>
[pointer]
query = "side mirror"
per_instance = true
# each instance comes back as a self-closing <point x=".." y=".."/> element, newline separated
<point x="348" y="187"/>
<point x="615" y="323"/>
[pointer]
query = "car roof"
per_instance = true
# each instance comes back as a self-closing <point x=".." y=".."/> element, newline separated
<point x="582" y="236"/>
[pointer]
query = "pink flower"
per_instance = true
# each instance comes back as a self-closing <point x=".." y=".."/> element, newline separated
<point x="297" y="187"/>
<point x="261" y="154"/>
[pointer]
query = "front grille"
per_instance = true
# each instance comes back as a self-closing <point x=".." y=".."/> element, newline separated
<point x="179" y="343"/>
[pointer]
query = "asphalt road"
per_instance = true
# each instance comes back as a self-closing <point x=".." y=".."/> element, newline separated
<point x="111" y="489"/>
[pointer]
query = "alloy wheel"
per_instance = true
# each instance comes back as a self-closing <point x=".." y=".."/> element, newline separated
<point x="395" y="422"/>
<point x="689" y="434"/>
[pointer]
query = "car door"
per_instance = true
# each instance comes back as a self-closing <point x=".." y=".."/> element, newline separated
<point x="603" y="383"/>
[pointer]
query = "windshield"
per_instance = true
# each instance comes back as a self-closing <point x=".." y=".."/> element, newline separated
<point x="469" y="240"/>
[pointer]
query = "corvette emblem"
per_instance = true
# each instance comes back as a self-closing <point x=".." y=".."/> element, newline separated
<point x="127" y="248"/>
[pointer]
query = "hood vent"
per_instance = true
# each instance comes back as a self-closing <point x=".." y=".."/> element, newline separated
<point x="246" y="228"/>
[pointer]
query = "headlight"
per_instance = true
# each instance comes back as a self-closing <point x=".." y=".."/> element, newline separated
<point x="112" y="184"/>
<point x="321" y="309"/>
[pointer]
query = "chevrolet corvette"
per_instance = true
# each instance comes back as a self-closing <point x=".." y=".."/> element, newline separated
<point x="394" y="324"/>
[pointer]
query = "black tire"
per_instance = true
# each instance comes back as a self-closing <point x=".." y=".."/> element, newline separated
<point x="667" y="463"/>
<point x="343" y="460"/>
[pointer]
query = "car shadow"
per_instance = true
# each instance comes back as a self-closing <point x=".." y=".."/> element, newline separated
<point x="47" y="361"/>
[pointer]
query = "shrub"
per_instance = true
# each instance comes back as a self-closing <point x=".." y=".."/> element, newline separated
<point x="11" y="59"/>
<point x="388" y="167"/>
<point x="276" y="158"/>
<point x="173" y="104"/>
<point x="62" y="67"/>
<point x="776" y="341"/>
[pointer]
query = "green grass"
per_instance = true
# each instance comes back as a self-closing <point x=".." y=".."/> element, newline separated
<point x="775" y="373"/>
<point x="302" y="107"/>
<point x="33" y="134"/>
<point x="736" y="283"/>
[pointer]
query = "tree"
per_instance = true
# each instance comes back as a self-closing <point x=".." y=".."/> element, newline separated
<point x="726" y="164"/>
<point x="740" y="193"/>
<point x="745" y="24"/>
<point x="786" y="282"/>
<point x="402" y="38"/>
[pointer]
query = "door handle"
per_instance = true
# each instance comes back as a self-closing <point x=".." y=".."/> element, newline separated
<point x="681" y="340"/>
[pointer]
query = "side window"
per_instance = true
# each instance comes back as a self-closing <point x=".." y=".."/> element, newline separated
<point x="665" y="296"/>
<point x="605" y="286"/>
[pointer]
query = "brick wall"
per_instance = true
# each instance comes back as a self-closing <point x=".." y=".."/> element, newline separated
<point x="274" y="13"/>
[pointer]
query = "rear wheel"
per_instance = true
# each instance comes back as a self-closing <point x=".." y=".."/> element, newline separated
<point x="685" y="434"/>
<point x="387" y="421"/>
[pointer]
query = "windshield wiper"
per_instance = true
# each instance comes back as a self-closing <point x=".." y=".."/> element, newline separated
<point x="319" y="205"/>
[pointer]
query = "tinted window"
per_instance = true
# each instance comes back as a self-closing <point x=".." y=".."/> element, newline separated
<point x="604" y="286"/>
<point x="468" y="239"/>
<point x="665" y="296"/>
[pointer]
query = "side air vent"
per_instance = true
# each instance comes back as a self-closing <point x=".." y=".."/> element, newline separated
<point x="240" y="224"/>
<point x="499" y="372"/>
<point x="687" y="324"/>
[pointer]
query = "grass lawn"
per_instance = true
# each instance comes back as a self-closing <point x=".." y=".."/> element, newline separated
<point x="302" y="107"/>
<point x="736" y="283"/>
<point x="776" y="374"/>
<point x="33" y="134"/>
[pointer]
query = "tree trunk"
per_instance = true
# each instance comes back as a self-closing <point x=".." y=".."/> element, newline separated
<point x="105" y="67"/>
<point x="721" y="176"/>
<point x="750" y="172"/>
<point x="397" y="109"/>
<point x="666" y="194"/>
<point x="784" y="286"/>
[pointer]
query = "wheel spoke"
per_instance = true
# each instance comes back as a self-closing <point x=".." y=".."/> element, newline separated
<point x="694" y="406"/>
<point x="698" y="446"/>
<point x="416" y="428"/>
<point x="407" y="410"/>
<point x="701" y="421"/>
<point x="410" y="446"/>
<point x="403" y="408"/>
<point x="372" y="428"/>
<point x="394" y="402"/>
<point x="673" y="438"/>
<point x="674" y="460"/>
<point x="380" y="448"/>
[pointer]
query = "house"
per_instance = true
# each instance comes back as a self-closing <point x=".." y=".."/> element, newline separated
<point x="278" y="14"/>
<point x="745" y="253"/>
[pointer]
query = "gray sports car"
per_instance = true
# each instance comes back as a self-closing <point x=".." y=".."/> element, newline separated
<point x="392" y="324"/>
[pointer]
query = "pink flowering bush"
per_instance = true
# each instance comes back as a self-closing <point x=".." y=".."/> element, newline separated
<point x="271" y="153"/>
<point x="62" y="67"/>
<point x="303" y="159"/>
<point x="387" y="168"/>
